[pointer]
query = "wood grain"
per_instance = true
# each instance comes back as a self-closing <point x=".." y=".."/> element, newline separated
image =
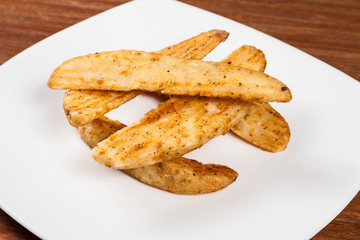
<point x="326" y="29"/>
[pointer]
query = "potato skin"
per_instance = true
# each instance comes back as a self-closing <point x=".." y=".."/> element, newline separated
<point x="185" y="176"/>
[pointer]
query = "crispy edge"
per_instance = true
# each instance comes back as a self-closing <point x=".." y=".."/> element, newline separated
<point x="180" y="175"/>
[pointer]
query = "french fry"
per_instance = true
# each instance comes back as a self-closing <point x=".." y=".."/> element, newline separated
<point x="180" y="175"/>
<point x="127" y="70"/>
<point x="82" y="107"/>
<point x="262" y="125"/>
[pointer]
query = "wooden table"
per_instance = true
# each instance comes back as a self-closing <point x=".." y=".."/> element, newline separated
<point x="326" y="29"/>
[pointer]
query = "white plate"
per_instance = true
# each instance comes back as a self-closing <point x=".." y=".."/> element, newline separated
<point x="52" y="186"/>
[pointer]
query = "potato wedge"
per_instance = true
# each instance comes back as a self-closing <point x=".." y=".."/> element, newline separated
<point x="175" y="127"/>
<point x="180" y="175"/>
<point x="262" y="125"/>
<point x="185" y="176"/>
<point x="82" y="107"/>
<point x="127" y="70"/>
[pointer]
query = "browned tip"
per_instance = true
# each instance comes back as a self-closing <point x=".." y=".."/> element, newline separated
<point x="221" y="34"/>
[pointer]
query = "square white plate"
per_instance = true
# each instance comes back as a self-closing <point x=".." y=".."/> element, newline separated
<point x="51" y="185"/>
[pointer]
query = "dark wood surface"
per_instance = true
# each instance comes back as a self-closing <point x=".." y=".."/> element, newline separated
<point x="326" y="29"/>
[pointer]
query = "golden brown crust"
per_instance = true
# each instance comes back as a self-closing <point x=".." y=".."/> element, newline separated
<point x="180" y="176"/>
<point x="127" y="70"/>
<point x="81" y="107"/>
